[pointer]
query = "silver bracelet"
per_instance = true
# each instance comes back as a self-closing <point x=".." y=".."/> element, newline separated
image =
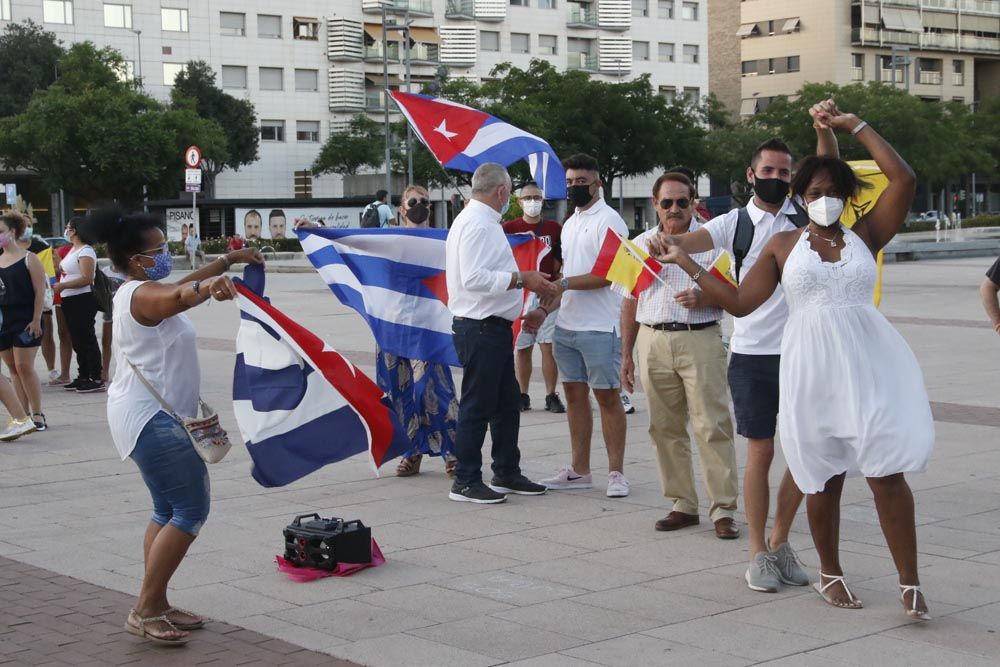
<point x="225" y="260"/>
<point x="698" y="274"/>
<point x="862" y="125"/>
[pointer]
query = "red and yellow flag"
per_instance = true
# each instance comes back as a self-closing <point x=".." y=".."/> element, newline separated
<point x="722" y="269"/>
<point x="625" y="264"/>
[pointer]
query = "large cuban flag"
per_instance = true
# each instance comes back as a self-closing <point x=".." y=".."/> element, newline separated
<point x="395" y="279"/>
<point x="299" y="404"/>
<point x="462" y="138"/>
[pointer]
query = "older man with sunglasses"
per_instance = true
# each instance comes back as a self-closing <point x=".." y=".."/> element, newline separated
<point x="682" y="363"/>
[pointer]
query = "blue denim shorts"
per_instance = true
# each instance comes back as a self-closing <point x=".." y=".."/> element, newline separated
<point x="593" y="357"/>
<point x="175" y="475"/>
<point x="753" y="383"/>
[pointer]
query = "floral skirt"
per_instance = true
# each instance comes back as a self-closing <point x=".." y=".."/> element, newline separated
<point x="423" y="394"/>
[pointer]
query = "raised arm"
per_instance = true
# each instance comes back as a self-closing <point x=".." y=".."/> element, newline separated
<point x="826" y="140"/>
<point x="756" y="287"/>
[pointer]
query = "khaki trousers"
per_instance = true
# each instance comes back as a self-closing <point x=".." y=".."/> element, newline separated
<point x="684" y="375"/>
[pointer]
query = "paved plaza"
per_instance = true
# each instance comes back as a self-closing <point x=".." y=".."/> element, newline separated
<point x="566" y="579"/>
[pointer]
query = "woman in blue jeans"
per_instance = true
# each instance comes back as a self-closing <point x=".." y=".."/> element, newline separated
<point x="152" y="333"/>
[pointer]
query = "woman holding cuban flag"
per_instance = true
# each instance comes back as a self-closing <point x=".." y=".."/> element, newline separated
<point x="852" y="397"/>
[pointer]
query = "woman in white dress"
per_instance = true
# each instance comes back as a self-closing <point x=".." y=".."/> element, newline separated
<point x="852" y="394"/>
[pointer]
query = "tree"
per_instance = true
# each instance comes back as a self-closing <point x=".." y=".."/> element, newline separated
<point x="28" y="59"/>
<point x="97" y="136"/>
<point x="195" y="85"/>
<point x="359" y="145"/>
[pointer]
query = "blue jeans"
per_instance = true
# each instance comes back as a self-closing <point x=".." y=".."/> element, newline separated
<point x="490" y="398"/>
<point x="175" y="475"/>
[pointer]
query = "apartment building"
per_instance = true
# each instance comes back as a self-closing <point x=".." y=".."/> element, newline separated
<point x="309" y="66"/>
<point x="935" y="49"/>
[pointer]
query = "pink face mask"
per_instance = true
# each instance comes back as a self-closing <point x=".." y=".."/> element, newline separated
<point x="5" y="238"/>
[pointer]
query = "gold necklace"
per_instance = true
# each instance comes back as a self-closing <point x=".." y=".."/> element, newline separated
<point x="831" y="241"/>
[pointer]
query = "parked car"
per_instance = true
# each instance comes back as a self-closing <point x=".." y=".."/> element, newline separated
<point x="929" y="216"/>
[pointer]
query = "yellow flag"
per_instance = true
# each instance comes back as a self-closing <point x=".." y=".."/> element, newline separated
<point x="862" y="204"/>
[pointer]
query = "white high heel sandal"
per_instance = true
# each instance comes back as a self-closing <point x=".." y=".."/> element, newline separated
<point x="912" y="612"/>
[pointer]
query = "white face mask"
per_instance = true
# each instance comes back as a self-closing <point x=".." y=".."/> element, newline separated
<point x="532" y="209"/>
<point x="825" y="211"/>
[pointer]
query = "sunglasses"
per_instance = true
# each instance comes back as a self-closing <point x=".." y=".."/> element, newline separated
<point x="413" y="201"/>
<point x="531" y="198"/>
<point x="667" y="204"/>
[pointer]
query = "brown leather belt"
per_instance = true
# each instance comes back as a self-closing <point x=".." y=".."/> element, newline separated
<point x="682" y="326"/>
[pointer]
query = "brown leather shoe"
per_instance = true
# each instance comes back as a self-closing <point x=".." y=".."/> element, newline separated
<point x="725" y="529"/>
<point x="676" y="520"/>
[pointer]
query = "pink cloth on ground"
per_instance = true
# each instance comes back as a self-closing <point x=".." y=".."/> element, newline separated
<point x="304" y="574"/>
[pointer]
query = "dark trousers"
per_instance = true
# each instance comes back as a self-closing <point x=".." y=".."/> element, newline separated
<point x="490" y="398"/>
<point x="80" y="311"/>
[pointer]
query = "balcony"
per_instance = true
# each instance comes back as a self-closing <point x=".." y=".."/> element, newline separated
<point x="374" y="53"/>
<point x="466" y="10"/>
<point x="885" y="75"/>
<point x="875" y="36"/>
<point x="940" y="40"/>
<point x="415" y="7"/>
<point x="857" y="74"/>
<point x="581" y="17"/>
<point x="958" y="79"/>
<point x="375" y="101"/>
<point x="980" y="6"/>
<point x="425" y="54"/>
<point x="582" y="61"/>
<point x="929" y="77"/>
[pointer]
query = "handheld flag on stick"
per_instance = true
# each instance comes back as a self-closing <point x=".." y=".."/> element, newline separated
<point x="626" y="264"/>
<point x="722" y="269"/>
<point x="463" y="138"/>
<point x="299" y="404"/>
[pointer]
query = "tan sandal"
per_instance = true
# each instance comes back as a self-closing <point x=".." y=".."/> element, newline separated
<point x="912" y="611"/>
<point x="853" y="602"/>
<point x="141" y="631"/>
<point x="409" y="466"/>
<point x="197" y="625"/>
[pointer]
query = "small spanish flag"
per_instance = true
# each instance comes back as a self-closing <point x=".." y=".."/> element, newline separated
<point x="626" y="264"/>
<point x="723" y="270"/>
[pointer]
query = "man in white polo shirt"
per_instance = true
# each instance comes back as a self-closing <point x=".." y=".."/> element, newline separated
<point x="587" y="343"/>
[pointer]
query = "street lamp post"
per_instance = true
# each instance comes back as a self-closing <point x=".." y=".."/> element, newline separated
<point x="138" y="54"/>
<point x="385" y="101"/>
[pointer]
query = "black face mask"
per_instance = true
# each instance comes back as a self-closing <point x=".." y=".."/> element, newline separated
<point x="579" y="195"/>
<point x="771" y="190"/>
<point x="418" y="214"/>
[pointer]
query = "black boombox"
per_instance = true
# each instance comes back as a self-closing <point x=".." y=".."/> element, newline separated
<point x="323" y="543"/>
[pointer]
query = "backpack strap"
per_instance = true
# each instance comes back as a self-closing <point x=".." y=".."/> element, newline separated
<point x="800" y="218"/>
<point x="742" y="239"/>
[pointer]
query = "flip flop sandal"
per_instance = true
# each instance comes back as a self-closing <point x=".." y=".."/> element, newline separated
<point x="854" y="603"/>
<point x="197" y="625"/>
<point x="409" y="466"/>
<point x="142" y="632"/>
<point x="912" y="612"/>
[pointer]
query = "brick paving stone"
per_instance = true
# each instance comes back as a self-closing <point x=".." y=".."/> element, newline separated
<point x="51" y="619"/>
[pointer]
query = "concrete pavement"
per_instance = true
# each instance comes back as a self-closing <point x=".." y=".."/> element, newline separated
<point x="564" y="579"/>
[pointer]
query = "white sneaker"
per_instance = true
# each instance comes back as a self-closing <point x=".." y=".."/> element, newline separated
<point x="568" y="479"/>
<point x="15" y="429"/>
<point x="627" y="404"/>
<point x="617" y="485"/>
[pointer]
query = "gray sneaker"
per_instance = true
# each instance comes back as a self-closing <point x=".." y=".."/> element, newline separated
<point x="762" y="575"/>
<point x="789" y="570"/>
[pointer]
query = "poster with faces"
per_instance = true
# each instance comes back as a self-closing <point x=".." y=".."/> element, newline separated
<point x="279" y="223"/>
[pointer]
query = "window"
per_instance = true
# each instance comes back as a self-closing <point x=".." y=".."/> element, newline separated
<point x="305" y="28"/>
<point x="669" y="93"/>
<point x="272" y="130"/>
<point x="233" y="24"/>
<point x="640" y="8"/>
<point x="127" y="71"/>
<point x="307" y="130"/>
<point x="117" y="16"/>
<point x="268" y="26"/>
<point x="520" y="42"/>
<point x="958" y="73"/>
<point x="665" y="9"/>
<point x="665" y="52"/>
<point x="793" y="63"/>
<point x="307" y="80"/>
<point x="174" y="20"/>
<point x="57" y="11"/>
<point x="489" y="40"/>
<point x="548" y="45"/>
<point x="691" y="53"/>
<point x="749" y="67"/>
<point x="857" y="67"/>
<point x="519" y="3"/>
<point x="692" y="94"/>
<point x="170" y="72"/>
<point x="272" y="78"/>
<point x="689" y="11"/>
<point x="234" y="76"/>
<point x="640" y="51"/>
<point x="546" y="4"/>
<point x="4" y="10"/>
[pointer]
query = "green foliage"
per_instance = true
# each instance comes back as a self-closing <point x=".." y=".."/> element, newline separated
<point x="101" y="138"/>
<point x="360" y="145"/>
<point x="195" y="89"/>
<point x="28" y="59"/>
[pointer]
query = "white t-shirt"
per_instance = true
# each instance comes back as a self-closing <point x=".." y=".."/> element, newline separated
<point x="70" y="266"/>
<point x="760" y="331"/>
<point x="167" y="355"/>
<point x="582" y="237"/>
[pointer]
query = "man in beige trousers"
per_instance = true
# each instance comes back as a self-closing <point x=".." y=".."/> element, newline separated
<point x="682" y="364"/>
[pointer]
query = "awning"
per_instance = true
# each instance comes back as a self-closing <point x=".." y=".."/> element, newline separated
<point x="747" y="29"/>
<point x="939" y="20"/>
<point x="791" y="25"/>
<point x="912" y="20"/>
<point x="424" y="35"/>
<point x="374" y="30"/>
<point x="980" y="23"/>
<point x="892" y="19"/>
<point x="748" y="107"/>
<point x="379" y="80"/>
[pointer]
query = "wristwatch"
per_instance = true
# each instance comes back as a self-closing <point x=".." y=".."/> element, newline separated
<point x="518" y="281"/>
<point x="564" y="283"/>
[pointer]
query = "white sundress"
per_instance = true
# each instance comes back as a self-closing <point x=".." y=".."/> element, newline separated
<point x="852" y="395"/>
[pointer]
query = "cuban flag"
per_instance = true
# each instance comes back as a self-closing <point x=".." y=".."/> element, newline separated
<point x="395" y="279"/>
<point x="299" y="404"/>
<point x="462" y="138"/>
